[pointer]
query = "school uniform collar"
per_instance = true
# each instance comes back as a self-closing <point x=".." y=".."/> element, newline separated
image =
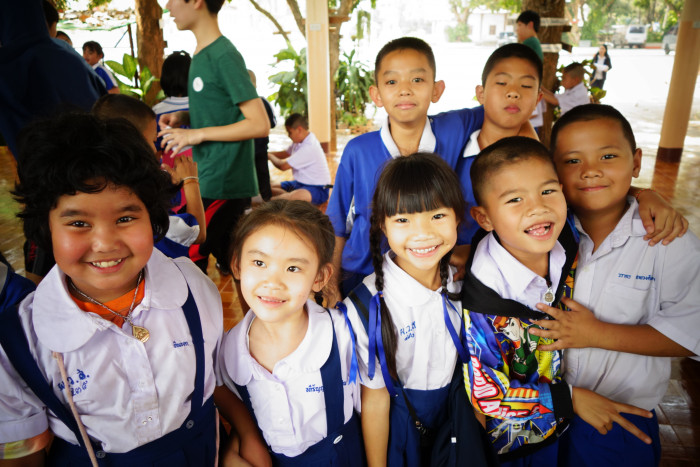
<point x="517" y="275"/>
<point x="428" y="142"/>
<point x="312" y="353"/>
<point x="63" y="327"/>
<point x="472" y="148"/>
<point x="405" y="289"/>
<point x="629" y="225"/>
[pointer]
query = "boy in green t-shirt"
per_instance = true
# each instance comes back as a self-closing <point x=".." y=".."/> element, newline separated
<point x="526" y="27"/>
<point x="225" y="115"/>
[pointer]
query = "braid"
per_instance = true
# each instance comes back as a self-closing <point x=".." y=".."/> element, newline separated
<point x="388" y="327"/>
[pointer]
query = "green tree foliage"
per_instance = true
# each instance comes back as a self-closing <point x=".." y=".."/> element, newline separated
<point x="352" y="82"/>
<point x="141" y="85"/>
<point x="293" y="86"/>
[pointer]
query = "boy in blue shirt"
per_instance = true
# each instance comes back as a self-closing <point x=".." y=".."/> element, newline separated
<point x="405" y="86"/>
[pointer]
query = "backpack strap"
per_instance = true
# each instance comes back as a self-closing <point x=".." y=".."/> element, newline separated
<point x="361" y="297"/>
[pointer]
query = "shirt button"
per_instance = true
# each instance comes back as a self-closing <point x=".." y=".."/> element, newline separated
<point x="150" y="419"/>
<point x="100" y="454"/>
<point x="337" y="440"/>
<point x="189" y="424"/>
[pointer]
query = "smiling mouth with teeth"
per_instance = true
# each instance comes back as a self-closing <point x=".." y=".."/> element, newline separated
<point x="106" y="264"/>
<point x="422" y="251"/>
<point x="539" y="229"/>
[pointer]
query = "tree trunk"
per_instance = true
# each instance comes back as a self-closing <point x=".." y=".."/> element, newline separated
<point x="149" y="40"/>
<point x="548" y="35"/>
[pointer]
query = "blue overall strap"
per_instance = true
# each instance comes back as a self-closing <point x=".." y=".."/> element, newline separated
<point x="354" y="372"/>
<point x="459" y="341"/>
<point x="333" y="392"/>
<point x="14" y="342"/>
<point x="195" y="325"/>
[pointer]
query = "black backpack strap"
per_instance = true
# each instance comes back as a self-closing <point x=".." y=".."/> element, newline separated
<point x="360" y="297"/>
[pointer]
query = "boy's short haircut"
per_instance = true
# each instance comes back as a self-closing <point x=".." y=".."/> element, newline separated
<point x="82" y="153"/>
<point x="123" y="106"/>
<point x="173" y="74"/>
<point x="296" y="120"/>
<point x="93" y="47"/>
<point x="575" y="70"/>
<point x="63" y="34"/>
<point x="50" y="12"/>
<point x="501" y="154"/>
<point x="514" y="50"/>
<point x="589" y="112"/>
<point x="529" y="16"/>
<point x="213" y="5"/>
<point x="404" y="43"/>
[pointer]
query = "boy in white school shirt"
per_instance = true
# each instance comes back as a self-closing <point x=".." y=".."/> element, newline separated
<point x="635" y="305"/>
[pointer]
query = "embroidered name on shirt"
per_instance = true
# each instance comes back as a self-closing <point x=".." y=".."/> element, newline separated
<point x="638" y="277"/>
<point x="314" y="388"/>
<point x="407" y="331"/>
<point x="77" y="383"/>
<point x="180" y="344"/>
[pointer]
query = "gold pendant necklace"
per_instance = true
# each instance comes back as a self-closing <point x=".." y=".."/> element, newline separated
<point x="139" y="332"/>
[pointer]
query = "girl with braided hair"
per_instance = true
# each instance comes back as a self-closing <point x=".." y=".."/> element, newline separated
<point x="408" y="354"/>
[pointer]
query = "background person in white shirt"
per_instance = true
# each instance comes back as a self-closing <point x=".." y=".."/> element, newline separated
<point x="308" y="163"/>
<point x="635" y="305"/>
<point x="575" y="92"/>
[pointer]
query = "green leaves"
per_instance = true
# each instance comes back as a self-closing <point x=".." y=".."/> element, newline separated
<point x="127" y="69"/>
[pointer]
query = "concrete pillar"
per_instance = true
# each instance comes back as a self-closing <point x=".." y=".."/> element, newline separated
<point x="318" y="77"/>
<point x="680" y="91"/>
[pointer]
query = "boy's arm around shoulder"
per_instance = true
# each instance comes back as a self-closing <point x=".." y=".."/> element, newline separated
<point x="662" y="222"/>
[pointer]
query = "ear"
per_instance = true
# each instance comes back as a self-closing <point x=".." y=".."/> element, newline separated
<point x="539" y="96"/>
<point x="479" y="90"/>
<point x="636" y="162"/>
<point x="376" y="97"/>
<point x="199" y="4"/>
<point x="481" y="217"/>
<point x="322" y="278"/>
<point x="236" y="269"/>
<point x="438" y="89"/>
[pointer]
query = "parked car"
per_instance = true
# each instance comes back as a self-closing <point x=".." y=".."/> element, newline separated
<point x="668" y="43"/>
<point x="506" y="37"/>
<point x="636" y="36"/>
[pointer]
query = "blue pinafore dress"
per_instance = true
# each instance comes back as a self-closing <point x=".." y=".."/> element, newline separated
<point x="194" y="444"/>
<point x="406" y="448"/>
<point x="342" y="446"/>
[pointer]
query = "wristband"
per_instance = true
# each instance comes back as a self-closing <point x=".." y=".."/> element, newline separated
<point x="190" y="177"/>
<point x="636" y="197"/>
<point x="191" y="180"/>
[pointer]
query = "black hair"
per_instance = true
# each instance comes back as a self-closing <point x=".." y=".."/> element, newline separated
<point x="296" y="120"/>
<point x="80" y="153"/>
<point x="514" y="50"/>
<point x="126" y="107"/>
<point x="50" y="12"/>
<point x="93" y="47"/>
<point x="503" y="153"/>
<point x="606" y="50"/>
<point x="301" y="217"/>
<point x="212" y="5"/>
<point x="61" y="33"/>
<point x="173" y="74"/>
<point x="528" y="16"/>
<point x="416" y="183"/>
<point x="589" y="112"/>
<point x="404" y="43"/>
<point x="574" y="69"/>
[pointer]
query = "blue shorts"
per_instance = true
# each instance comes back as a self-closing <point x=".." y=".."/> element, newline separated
<point x="319" y="193"/>
<point x="582" y="446"/>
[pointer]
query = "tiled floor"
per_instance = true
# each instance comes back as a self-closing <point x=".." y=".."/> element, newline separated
<point x="679" y="412"/>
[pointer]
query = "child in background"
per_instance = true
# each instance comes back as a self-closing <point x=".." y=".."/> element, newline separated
<point x="93" y="55"/>
<point x="308" y="162"/>
<point x="124" y="336"/>
<point x="405" y="85"/>
<point x="173" y="81"/>
<point x="187" y="220"/>
<point x="509" y="92"/>
<point x="526" y="28"/>
<point x="635" y="304"/>
<point x="225" y="115"/>
<point x="291" y="360"/>
<point x="527" y="257"/>
<point x="262" y="170"/>
<point x="575" y="92"/>
<point x="417" y="207"/>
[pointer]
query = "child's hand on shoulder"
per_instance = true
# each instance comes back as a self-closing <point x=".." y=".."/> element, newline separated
<point x="601" y="412"/>
<point x="661" y="221"/>
<point x="573" y="329"/>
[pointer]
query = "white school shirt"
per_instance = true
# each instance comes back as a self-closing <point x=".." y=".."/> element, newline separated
<point x="628" y="282"/>
<point x="127" y="393"/>
<point x="570" y="98"/>
<point x="107" y="71"/>
<point x="428" y="141"/>
<point x="472" y="148"/>
<point x="497" y="269"/>
<point x="425" y="353"/>
<point x="308" y="162"/>
<point x="288" y="403"/>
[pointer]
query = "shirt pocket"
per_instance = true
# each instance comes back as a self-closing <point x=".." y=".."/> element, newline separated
<point x="625" y="303"/>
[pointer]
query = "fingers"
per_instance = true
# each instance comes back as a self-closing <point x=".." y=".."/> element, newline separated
<point x="680" y="227"/>
<point x="660" y="231"/>
<point x="550" y="310"/>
